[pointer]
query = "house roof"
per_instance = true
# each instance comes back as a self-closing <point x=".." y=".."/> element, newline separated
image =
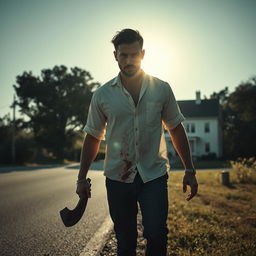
<point x="207" y="108"/>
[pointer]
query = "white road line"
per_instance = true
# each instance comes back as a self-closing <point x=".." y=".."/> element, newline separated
<point x="97" y="242"/>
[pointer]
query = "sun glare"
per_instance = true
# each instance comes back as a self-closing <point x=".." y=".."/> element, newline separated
<point x="157" y="60"/>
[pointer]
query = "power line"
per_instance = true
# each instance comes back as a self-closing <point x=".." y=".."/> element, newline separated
<point x="13" y="130"/>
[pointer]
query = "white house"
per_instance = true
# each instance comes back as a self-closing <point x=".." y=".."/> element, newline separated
<point x="203" y="126"/>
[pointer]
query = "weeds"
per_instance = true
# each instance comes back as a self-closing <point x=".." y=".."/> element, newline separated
<point x="245" y="169"/>
<point x="219" y="221"/>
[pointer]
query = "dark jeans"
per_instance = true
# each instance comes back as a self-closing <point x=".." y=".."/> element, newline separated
<point x="153" y="200"/>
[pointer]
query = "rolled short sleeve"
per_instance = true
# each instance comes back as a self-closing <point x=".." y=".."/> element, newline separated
<point x="171" y="114"/>
<point x="96" y="120"/>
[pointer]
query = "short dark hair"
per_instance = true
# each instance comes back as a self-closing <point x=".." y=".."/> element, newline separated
<point x="127" y="36"/>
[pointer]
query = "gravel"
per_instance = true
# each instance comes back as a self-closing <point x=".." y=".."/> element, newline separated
<point x="110" y="248"/>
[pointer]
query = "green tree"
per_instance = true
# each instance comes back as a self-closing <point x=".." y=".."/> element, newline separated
<point x="222" y="96"/>
<point x="25" y="149"/>
<point x="239" y="119"/>
<point x="56" y="105"/>
<point x="241" y="106"/>
<point x="6" y="140"/>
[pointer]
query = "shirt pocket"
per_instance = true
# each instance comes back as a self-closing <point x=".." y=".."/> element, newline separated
<point x="153" y="113"/>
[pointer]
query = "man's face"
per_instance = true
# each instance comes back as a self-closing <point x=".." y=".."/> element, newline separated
<point x="129" y="57"/>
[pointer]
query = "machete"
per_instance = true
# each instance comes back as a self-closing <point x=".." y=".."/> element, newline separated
<point x="71" y="217"/>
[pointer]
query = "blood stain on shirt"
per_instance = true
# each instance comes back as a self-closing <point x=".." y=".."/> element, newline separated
<point x="127" y="164"/>
<point x="126" y="171"/>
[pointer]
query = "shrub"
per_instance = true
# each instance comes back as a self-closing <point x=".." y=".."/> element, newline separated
<point x="245" y="169"/>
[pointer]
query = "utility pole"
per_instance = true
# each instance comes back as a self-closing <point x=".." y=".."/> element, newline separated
<point x="13" y="130"/>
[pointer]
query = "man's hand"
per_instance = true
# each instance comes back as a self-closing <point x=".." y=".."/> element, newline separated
<point x="83" y="188"/>
<point x="190" y="180"/>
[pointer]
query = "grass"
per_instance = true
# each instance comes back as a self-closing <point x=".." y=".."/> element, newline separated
<point x="203" y="164"/>
<point x="219" y="221"/>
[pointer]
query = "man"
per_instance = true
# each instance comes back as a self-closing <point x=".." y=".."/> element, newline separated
<point x="132" y="108"/>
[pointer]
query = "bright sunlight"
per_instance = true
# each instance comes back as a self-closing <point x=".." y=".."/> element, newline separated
<point x="157" y="60"/>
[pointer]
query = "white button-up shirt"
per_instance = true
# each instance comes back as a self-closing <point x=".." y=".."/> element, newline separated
<point x="134" y="134"/>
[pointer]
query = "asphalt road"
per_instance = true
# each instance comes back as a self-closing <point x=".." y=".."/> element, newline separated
<point x="30" y="201"/>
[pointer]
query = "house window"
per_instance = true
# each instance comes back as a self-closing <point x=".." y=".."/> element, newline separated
<point x="187" y="127"/>
<point x="207" y="147"/>
<point x="207" y="127"/>
<point x="190" y="128"/>
<point x="192" y="146"/>
<point x="193" y="128"/>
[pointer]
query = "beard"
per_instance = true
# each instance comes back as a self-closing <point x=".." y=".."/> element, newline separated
<point x="129" y="70"/>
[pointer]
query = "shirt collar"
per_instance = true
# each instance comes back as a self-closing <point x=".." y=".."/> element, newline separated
<point x="117" y="80"/>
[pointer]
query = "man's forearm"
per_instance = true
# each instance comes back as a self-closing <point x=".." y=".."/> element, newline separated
<point x="181" y="145"/>
<point x="88" y="154"/>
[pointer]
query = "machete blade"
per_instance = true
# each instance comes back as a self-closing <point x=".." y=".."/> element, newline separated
<point x="71" y="217"/>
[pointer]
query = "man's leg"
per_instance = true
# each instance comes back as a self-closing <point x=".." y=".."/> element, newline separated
<point x="153" y="199"/>
<point x="123" y="210"/>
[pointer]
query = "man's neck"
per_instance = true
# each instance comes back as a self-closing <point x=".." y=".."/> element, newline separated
<point x="130" y="81"/>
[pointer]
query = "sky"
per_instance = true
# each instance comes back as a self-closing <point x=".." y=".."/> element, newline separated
<point x="194" y="45"/>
